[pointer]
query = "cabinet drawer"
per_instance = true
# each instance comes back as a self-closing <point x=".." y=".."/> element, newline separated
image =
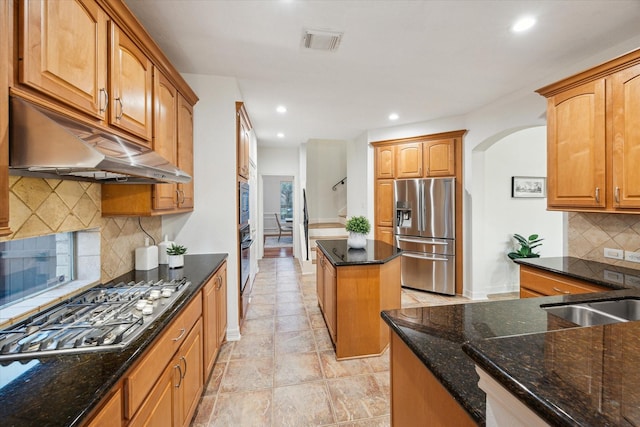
<point x="142" y="378"/>
<point x="546" y="283"/>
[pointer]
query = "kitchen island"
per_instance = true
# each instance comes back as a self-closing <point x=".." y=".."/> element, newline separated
<point x="66" y="389"/>
<point x="354" y="286"/>
<point x="431" y="339"/>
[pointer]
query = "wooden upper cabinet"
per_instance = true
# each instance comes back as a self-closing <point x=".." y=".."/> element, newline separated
<point x="576" y="150"/>
<point x="63" y="52"/>
<point x="409" y="160"/>
<point x="186" y="197"/>
<point x="385" y="161"/>
<point x="131" y="81"/>
<point x="243" y="129"/>
<point x="625" y="87"/>
<point x="165" y="136"/>
<point x="439" y="157"/>
<point x="593" y="140"/>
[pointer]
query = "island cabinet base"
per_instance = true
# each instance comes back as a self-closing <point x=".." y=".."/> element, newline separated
<point x="417" y="397"/>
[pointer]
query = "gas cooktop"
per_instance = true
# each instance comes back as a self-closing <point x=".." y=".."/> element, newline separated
<point x="101" y="318"/>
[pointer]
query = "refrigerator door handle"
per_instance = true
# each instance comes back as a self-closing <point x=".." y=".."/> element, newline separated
<point x="429" y="257"/>
<point x="422" y="241"/>
<point x="421" y="206"/>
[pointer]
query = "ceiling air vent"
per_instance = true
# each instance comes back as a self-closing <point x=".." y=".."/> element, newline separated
<point x="321" y="39"/>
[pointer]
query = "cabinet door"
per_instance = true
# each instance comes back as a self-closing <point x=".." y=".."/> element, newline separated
<point x="131" y="81"/>
<point x="189" y="387"/>
<point x="159" y="409"/>
<point x="626" y="137"/>
<point x="576" y="147"/>
<point x="330" y="300"/>
<point x="243" y="140"/>
<point x="409" y="160"/>
<point x="439" y="157"/>
<point x="385" y="158"/>
<point x="384" y="202"/>
<point x="185" y="151"/>
<point x="110" y="414"/>
<point x="209" y="325"/>
<point x="64" y="52"/>
<point x="221" y="301"/>
<point x="320" y="260"/>
<point x="165" y="136"/>
<point x="385" y="234"/>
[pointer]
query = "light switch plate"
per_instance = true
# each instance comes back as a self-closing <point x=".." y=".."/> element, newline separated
<point x="632" y="256"/>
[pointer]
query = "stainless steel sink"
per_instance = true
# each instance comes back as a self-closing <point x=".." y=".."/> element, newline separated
<point x="598" y="313"/>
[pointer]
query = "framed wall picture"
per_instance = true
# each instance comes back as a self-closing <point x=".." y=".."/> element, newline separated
<point x="528" y="186"/>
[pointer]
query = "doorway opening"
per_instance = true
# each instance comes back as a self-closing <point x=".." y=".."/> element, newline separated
<point x="278" y="218"/>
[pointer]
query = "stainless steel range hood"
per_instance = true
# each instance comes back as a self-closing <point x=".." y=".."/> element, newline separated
<point x="49" y="145"/>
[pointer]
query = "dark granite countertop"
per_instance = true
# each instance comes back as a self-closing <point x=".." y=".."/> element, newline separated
<point x="436" y="336"/>
<point x="574" y="377"/>
<point x="62" y="390"/>
<point x="607" y="275"/>
<point x="376" y="252"/>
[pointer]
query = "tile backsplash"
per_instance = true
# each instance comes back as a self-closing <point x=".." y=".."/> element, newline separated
<point x="45" y="206"/>
<point x="590" y="233"/>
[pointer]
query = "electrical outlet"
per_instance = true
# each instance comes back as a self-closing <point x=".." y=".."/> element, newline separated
<point x="613" y="253"/>
<point x="632" y="256"/>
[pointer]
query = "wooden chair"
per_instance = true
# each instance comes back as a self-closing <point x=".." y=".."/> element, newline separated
<point x="283" y="229"/>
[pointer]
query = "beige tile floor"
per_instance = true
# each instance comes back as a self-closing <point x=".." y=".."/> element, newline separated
<point x="283" y="372"/>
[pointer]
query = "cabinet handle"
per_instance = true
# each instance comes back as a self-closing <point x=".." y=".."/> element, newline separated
<point x="179" y="337"/>
<point x="179" y="377"/>
<point x="182" y="192"/>
<point x="561" y="291"/>
<point x="219" y="280"/>
<point x="183" y="374"/>
<point x="617" y="194"/>
<point x="119" y="116"/>
<point x="177" y="196"/>
<point x="103" y="91"/>
<point x="597" y="194"/>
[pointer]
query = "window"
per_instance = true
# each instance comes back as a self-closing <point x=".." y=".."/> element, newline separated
<point x="286" y="200"/>
<point x="30" y="266"/>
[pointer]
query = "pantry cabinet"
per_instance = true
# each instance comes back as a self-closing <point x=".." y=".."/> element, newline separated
<point x="593" y="141"/>
<point x="66" y="62"/>
<point x="131" y="81"/>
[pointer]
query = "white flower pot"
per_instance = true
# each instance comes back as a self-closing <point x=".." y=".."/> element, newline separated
<point x="175" y="261"/>
<point x="356" y="240"/>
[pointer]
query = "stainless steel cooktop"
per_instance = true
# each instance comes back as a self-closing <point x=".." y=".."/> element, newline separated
<point x="101" y="318"/>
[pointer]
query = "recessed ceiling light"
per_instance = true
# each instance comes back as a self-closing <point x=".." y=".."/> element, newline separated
<point x="393" y="116"/>
<point x="523" y="24"/>
<point x="281" y="109"/>
<point x="280" y="135"/>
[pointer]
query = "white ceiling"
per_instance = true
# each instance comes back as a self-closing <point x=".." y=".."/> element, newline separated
<point x="421" y="59"/>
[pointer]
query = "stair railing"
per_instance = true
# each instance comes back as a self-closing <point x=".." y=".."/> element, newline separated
<point x="342" y="181"/>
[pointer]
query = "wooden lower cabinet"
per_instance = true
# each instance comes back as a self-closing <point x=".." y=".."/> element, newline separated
<point x="535" y="282"/>
<point x="351" y="298"/>
<point x="214" y="315"/>
<point x="385" y="234"/>
<point x="417" y="397"/>
<point x="110" y="415"/>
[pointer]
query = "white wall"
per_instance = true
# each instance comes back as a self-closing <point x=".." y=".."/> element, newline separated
<point x="280" y="162"/>
<point x="522" y="153"/>
<point x="211" y="227"/>
<point x="358" y="173"/>
<point x="327" y="164"/>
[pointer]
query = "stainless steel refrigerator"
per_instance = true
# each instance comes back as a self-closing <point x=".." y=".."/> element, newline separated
<point x="424" y="227"/>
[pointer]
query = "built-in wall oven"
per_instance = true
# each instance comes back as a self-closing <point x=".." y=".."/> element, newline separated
<point x="245" y="257"/>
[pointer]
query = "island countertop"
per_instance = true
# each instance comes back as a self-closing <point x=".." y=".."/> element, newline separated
<point x="376" y="252"/>
<point x="62" y="390"/>
<point x="436" y="336"/>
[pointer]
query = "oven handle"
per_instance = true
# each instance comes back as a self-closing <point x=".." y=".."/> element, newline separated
<point x="428" y="257"/>
<point x="422" y="241"/>
<point x="246" y="244"/>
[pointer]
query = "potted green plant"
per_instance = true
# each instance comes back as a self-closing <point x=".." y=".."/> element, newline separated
<point x="175" y="256"/>
<point x="526" y="247"/>
<point x="358" y="228"/>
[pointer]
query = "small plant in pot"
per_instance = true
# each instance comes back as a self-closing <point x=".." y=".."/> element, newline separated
<point x="358" y="228"/>
<point x="527" y="245"/>
<point x="175" y="256"/>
